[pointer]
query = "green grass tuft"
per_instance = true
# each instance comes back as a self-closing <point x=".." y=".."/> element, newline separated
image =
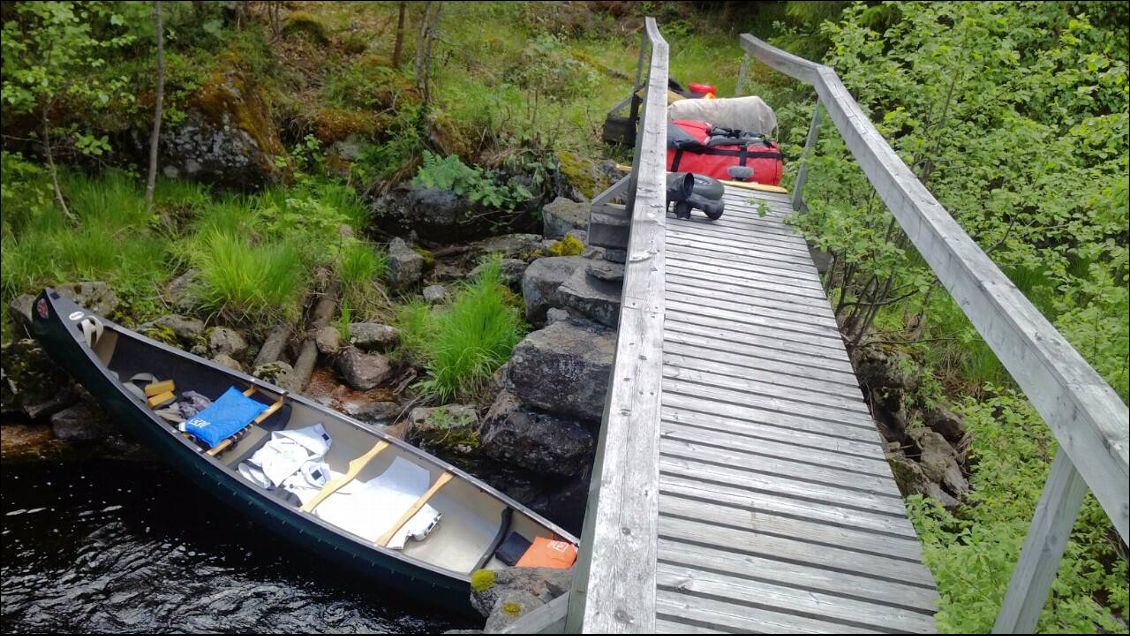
<point x="465" y="343"/>
<point x="250" y="282"/>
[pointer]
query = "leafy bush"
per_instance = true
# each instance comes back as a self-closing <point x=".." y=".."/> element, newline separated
<point x="450" y="173"/>
<point x="465" y="343"/>
<point x="973" y="551"/>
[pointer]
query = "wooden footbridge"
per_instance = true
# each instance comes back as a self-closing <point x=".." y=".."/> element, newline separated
<point x="740" y="483"/>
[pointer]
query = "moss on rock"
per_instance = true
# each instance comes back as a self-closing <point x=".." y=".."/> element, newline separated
<point x="582" y="174"/>
<point x="568" y="246"/>
<point x="482" y="580"/>
<point x="306" y="23"/>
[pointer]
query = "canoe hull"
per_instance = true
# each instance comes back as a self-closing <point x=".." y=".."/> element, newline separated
<point x="63" y="344"/>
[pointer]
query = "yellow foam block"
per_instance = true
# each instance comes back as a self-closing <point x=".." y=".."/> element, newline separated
<point x="161" y="399"/>
<point x="157" y="388"/>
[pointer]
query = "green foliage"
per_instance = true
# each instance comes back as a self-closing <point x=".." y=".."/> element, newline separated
<point x="358" y="267"/>
<point x="568" y="246"/>
<point x="344" y="320"/>
<point x="249" y="282"/>
<point x="25" y="192"/>
<point x="464" y="343"/>
<point x="52" y="53"/>
<point x="477" y="185"/>
<point x="973" y="551"/>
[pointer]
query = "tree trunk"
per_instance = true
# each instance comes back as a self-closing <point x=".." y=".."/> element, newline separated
<point x="155" y="137"/>
<point x="46" y="123"/>
<point x="424" y="49"/>
<point x="398" y="47"/>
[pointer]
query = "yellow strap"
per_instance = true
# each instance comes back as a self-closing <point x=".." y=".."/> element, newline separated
<point x="749" y="185"/>
<point x="355" y="467"/>
<point x="386" y="537"/>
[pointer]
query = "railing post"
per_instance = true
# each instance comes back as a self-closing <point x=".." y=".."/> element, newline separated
<point x="741" y="75"/>
<point x="1043" y="548"/>
<point x="806" y="155"/>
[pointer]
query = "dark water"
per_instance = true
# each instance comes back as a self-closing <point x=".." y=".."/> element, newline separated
<point x="114" y="546"/>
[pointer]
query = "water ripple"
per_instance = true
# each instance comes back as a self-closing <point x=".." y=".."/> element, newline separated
<point x="105" y="546"/>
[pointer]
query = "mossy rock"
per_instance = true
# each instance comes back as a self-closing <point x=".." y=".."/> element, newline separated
<point x="337" y="124"/>
<point x="446" y="430"/>
<point x="429" y="258"/>
<point x="582" y="174"/>
<point x="232" y="98"/>
<point x="304" y="22"/>
<point x="482" y="580"/>
<point x="161" y="333"/>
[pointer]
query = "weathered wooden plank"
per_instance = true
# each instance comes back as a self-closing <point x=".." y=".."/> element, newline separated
<point x="801" y="577"/>
<point x="678" y="459"/>
<point x="852" y="613"/>
<point x="668" y="624"/>
<point x="689" y="398"/>
<point x="739" y="618"/>
<point x="828" y="479"/>
<point x="703" y="369"/>
<point x="746" y="270"/>
<point x="614" y="584"/>
<point x="687" y="290"/>
<point x="778" y="504"/>
<point x="703" y="374"/>
<point x="726" y="514"/>
<point x="791" y="260"/>
<point x="794" y="551"/>
<point x="754" y="324"/>
<point x="725" y="270"/>
<point x="767" y="371"/>
<point x="1088" y="418"/>
<point x="813" y="354"/>
<point x="547" y="619"/>
<point x="795" y="322"/>
<point x="805" y="157"/>
<point x="869" y="468"/>
<point x="702" y="254"/>
<point x="750" y="224"/>
<point x="767" y="434"/>
<point x="783" y="246"/>
<point x="751" y="290"/>
<point x="1043" y="548"/>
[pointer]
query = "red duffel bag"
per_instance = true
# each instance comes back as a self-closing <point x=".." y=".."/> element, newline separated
<point x="696" y="146"/>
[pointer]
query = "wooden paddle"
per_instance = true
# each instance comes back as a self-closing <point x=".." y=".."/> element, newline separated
<point x="386" y="537"/>
<point x="355" y="466"/>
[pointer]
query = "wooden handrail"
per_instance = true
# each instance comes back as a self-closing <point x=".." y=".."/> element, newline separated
<point x="1088" y="418"/>
<point x="614" y="581"/>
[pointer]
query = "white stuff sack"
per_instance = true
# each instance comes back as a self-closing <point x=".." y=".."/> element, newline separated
<point x="749" y="114"/>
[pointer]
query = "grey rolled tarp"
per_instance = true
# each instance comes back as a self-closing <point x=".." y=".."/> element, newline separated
<point x="750" y="114"/>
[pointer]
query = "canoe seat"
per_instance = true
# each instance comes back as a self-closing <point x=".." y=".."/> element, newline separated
<point x="247" y="414"/>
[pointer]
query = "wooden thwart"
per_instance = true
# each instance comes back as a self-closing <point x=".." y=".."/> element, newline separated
<point x="387" y="536"/>
<point x="355" y="466"/>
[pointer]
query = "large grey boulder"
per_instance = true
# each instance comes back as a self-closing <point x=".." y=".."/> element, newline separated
<point x="939" y="460"/>
<point x="405" y="265"/>
<point x="591" y="297"/>
<point x="82" y="422"/>
<point x="362" y="371"/>
<point x="373" y="336"/>
<point x="94" y="296"/>
<point x="225" y="340"/>
<point x="563" y="215"/>
<point x="947" y="423"/>
<point x="533" y="439"/>
<point x="227" y="137"/>
<point x="563" y="369"/>
<point x="452" y="429"/>
<point x="542" y="279"/>
<point x="433" y="214"/>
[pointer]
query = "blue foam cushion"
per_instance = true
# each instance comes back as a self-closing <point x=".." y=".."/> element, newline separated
<point x="224" y="418"/>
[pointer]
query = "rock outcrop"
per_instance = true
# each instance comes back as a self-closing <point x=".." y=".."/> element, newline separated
<point x="535" y="440"/>
<point x="405" y="265"/>
<point x="450" y="430"/>
<point x="541" y="281"/>
<point x="362" y="371"/>
<point x="563" y="369"/>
